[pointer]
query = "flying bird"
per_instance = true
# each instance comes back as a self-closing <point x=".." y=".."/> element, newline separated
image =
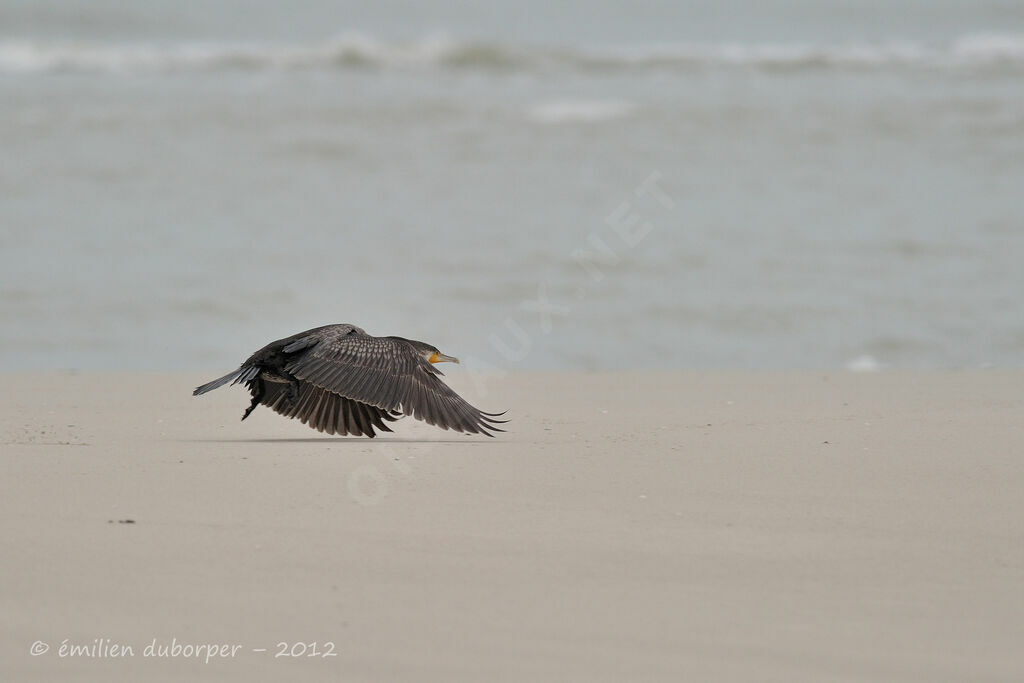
<point x="340" y="380"/>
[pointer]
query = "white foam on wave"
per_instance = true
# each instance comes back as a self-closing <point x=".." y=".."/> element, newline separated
<point x="349" y="49"/>
<point x="863" y="363"/>
<point x="772" y="55"/>
<point x="578" y="111"/>
<point x="966" y="51"/>
<point x="990" y="47"/>
<point x="353" y="50"/>
<point x="34" y="56"/>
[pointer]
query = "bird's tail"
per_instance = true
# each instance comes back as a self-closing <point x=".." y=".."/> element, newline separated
<point x="242" y="374"/>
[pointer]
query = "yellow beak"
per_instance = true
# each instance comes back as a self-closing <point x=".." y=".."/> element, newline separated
<point x="441" y="358"/>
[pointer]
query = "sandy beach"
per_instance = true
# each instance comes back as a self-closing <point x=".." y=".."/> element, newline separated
<point x="637" y="526"/>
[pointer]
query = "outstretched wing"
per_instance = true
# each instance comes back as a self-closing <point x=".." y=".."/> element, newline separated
<point x="325" y="411"/>
<point x="391" y="374"/>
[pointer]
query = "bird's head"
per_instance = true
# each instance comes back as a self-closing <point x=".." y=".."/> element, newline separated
<point x="430" y="353"/>
<point x="434" y="356"/>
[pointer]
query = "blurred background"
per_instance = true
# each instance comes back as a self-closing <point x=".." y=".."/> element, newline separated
<point x="839" y="183"/>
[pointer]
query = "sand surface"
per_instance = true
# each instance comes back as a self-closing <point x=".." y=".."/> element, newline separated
<point x="629" y="527"/>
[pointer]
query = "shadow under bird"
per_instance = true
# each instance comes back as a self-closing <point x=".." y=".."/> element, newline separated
<point x="340" y="380"/>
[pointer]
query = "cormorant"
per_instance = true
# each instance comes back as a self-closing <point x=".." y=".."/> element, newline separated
<point x="340" y="380"/>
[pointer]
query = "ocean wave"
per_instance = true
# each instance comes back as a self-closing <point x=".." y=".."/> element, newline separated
<point x="578" y="111"/>
<point x="355" y="50"/>
<point x="345" y="51"/>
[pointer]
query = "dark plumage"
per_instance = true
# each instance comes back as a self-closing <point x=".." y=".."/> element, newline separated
<point x="340" y="380"/>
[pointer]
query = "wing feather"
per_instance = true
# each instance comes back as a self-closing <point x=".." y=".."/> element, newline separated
<point x="391" y="375"/>
<point x="332" y="416"/>
<point x="325" y="411"/>
<point x="326" y="408"/>
<point x="365" y="421"/>
<point x="351" y="419"/>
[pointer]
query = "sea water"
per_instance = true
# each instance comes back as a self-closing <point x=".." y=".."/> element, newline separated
<point x="574" y="185"/>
